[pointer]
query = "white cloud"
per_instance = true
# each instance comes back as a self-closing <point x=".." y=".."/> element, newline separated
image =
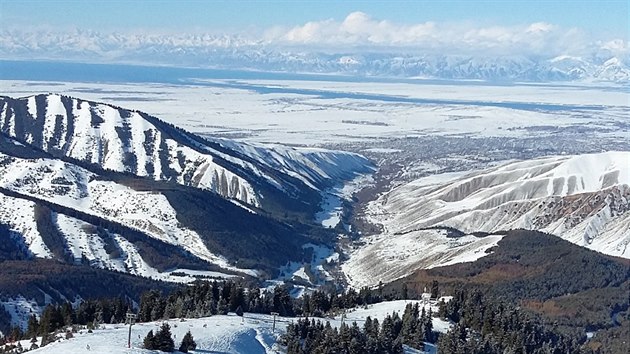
<point x="357" y="33"/>
<point x="361" y="30"/>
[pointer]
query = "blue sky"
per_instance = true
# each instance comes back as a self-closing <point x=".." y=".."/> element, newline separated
<point x="607" y="18"/>
<point x="134" y="30"/>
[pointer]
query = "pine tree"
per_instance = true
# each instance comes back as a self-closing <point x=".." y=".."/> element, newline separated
<point x="237" y="298"/>
<point x="435" y="289"/>
<point x="188" y="343"/>
<point x="222" y="307"/>
<point x="32" y="330"/>
<point x="164" y="339"/>
<point x="149" y="341"/>
<point x="427" y="325"/>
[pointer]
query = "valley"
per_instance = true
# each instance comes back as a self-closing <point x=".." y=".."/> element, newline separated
<point x="315" y="177"/>
<point x="322" y="184"/>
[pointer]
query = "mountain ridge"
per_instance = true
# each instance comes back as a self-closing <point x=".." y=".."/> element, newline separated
<point x="603" y="62"/>
<point x="453" y="218"/>
<point x="135" y="142"/>
<point x="68" y="197"/>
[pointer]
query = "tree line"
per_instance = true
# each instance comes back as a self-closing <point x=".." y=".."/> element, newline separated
<point x="312" y="336"/>
<point x="199" y="299"/>
<point x="484" y="324"/>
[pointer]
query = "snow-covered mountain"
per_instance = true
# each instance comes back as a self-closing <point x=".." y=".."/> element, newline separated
<point x="134" y="142"/>
<point x="88" y="182"/>
<point x="603" y="62"/>
<point x="77" y="189"/>
<point x="584" y="199"/>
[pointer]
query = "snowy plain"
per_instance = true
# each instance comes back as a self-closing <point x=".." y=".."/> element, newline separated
<point x="315" y="113"/>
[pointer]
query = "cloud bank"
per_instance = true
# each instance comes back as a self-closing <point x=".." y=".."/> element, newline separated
<point x="357" y="30"/>
<point x="361" y="30"/>
<point x="358" y="44"/>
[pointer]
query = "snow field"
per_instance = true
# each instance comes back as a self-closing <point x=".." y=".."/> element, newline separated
<point x="217" y="334"/>
<point x="322" y="117"/>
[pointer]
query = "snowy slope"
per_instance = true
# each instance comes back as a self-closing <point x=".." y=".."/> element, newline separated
<point x="129" y="141"/>
<point x="216" y="334"/>
<point x="584" y="199"/>
<point x="118" y="140"/>
<point x="317" y="168"/>
<point x="76" y="188"/>
<point x="387" y="257"/>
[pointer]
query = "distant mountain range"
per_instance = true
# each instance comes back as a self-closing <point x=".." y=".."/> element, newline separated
<point x="234" y="52"/>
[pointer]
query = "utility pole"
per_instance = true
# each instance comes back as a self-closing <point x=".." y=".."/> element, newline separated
<point x="273" y="328"/>
<point x="131" y="320"/>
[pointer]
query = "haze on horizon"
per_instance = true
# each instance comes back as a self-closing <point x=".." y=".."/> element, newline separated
<point x="102" y="31"/>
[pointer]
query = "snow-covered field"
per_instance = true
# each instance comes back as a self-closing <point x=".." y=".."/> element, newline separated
<point x="313" y="113"/>
<point x="217" y="334"/>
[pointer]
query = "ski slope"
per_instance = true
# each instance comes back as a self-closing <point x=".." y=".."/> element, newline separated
<point x="217" y="334"/>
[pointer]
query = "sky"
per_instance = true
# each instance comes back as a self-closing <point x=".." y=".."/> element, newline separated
<point x="604" y="17"/>
<point x="188" y="32"/>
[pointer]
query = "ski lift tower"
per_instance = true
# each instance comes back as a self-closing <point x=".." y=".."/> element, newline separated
<point x="273" y="329"/>
<point x="130" y="320"/>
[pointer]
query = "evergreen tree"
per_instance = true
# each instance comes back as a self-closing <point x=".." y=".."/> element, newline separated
<point x="253" y="299"/>
<point x="282" y="301"/>
<point x="188" y="343"/>
<point x="237" y="297"/>
<point x="164" y="339"/>
<point x="222" y="307"/>
<point x="32" y="329"/>
<point x="435" y="289"/>
<point x="149" y="341"/>
<point x="427" y="327"/>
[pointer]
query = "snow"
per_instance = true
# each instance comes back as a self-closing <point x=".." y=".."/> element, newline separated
<point x="382" y="150"/>
<point x="318" y="275"/>
<point x="583" y="199"/>
<point x="55" y="109"/>
<point x="217" y="334"/>
<point x="330" y="215"/>
<point x="312" y="113"/>
<point x="203" y="273"/>
<point x="146" y="211"/>
<point x="388" y="256"/>
<point x="83" y="241"/>
<point x="20" y="310"/>
<point x="18" y="215"/>
<point x="332" y="200"/>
